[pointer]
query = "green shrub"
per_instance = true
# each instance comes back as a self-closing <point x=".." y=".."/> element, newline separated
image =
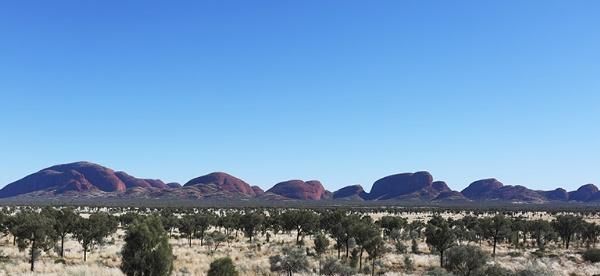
<point x="401" y="248"/>
<point x="592" y="255"/>
<point x="465" y="259"/>
<point x="332" y="267"/>
<point x="222" y="267"/>
<point x="496" y="270"/>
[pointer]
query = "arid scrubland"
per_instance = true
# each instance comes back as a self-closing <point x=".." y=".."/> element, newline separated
<point x="403" y="253"/>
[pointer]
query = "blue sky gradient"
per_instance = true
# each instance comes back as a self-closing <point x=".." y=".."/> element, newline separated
<point x="341" y="91"/>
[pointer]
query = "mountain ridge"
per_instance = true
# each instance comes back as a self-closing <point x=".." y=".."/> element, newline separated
<point x="88" y="179"/>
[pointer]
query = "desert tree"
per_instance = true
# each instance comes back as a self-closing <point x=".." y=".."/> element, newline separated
<point x="214" y="240"/>
<point x="65" y="221"/>
<point x="375" y="247"/>
<point x="439" y="236"/>
<point x="93" y="230"/>
<point x="202" y="221"/>
<point x="34" y="230"/>
<point x="187" y="228"/>
<point x="250" y="222"/>
<point x="495" y="229"/>
<point x="292" y="260"/>
<point x="363" y="232"/>
<point x="566" y="226"/>
<point x="321" y="244"/>
<point x="222" y="267"/>
<point x="331" y="222"/>
<point x="147" y="251"/>
<point x="541" y="232"/>
<point x="302" y="221"/>
<point x="389" y="224"/>
<point x="168" y="220"/>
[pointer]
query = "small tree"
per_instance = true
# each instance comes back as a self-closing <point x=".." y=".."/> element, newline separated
<point x="147" y="250"/>
<point x="496" y="229"/>
<point x="566" y="226"/>
<point x="376" y="249"/>
<point x="187" y="227"/>
<point x="65" y="222"/>
<point x="465" y="260"/>
<point x="292" y="261"/>
<point x="93" y="230"/>
<point x="542" y="232"/>
<point x="35" y="231"/>
<point x="321" y="244"/>
<point x="214" y="240"/>
<point x="250" y="223"/>
<point x="439" y="236"/>
<point x="222" y="267"/>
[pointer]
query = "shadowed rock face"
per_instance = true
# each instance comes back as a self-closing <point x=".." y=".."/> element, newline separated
<point x="403" y="184"/>
<point x="78" y="177"/>
<point x="492" y="189"/>
<point x="298" y="189"/>
<point x="223" y="181"/>
<point x="482" y="189"/>
<point x="132" y="182"/>
<point x="174" y="185"/>
<point x="352" y="192"/>
<point x="584" y="193"/>
<point x="258" y="190"/>
<point x="450" y="196"/>
<point x="557" y="194"/>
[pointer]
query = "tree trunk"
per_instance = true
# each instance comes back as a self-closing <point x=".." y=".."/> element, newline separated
<point x="441" y="258"/>
<point x="347" y="247"/>
<point x="190" y="241"/>
<point x="360" y="260"/>
<point x="84" y="254"/>
<point x="373" y="267"/>
<point x="32" y="254"/>
<point x="494" y="250"/>
<point x="62" y="246"/>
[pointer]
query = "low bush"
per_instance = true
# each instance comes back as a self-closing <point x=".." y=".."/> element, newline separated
<point x="592" y="255"/>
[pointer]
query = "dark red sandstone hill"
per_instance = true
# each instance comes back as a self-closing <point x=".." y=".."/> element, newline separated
<point x="584" y="193"/>
<point x="350" y="192"/>
<point x="78" y="177"/>
<point x="412" y="186"/>
<point x="225" y="182"/>
<point x="132" y="182"/>
<point x="298" y="189"/>
<point x="84" y="179"/>
<point x="481" y="189"/>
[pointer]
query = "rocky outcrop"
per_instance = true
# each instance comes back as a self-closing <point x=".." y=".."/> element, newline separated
<point x="559" y="194"/>
<point x="584" y="193"/>
<point x="174" y="185"/>
<point x="350" y="192"/>
<point x="482" y="189"/>
<point x="132" y="182"/>
<point x="224" y="182"/>
<point x="258" y="190"/>
<point x="492" y="189"/>
<point x="407" y="186"/>
<point x="75" y="177"/>
<point x="298" y="189"/>
<point x="450" y="196"/>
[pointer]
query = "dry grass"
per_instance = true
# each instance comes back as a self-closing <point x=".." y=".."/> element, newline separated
<point x="252" y="258"/>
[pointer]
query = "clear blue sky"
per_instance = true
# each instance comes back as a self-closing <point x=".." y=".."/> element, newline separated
<point x="341" y="91"/>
